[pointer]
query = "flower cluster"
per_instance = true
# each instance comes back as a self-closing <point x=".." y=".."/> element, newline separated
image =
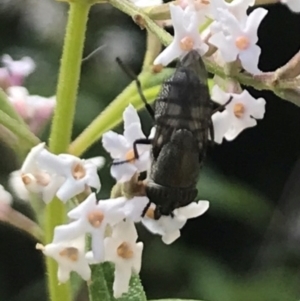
<point x="109" y="223"/>
<point x="230" y="38"/>
<point x="35" y="110"/>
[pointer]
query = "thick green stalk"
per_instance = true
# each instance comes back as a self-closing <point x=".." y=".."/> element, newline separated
<point x="63" y="122"/>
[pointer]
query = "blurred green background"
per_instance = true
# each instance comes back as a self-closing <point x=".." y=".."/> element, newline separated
<point x="246" y="248"/>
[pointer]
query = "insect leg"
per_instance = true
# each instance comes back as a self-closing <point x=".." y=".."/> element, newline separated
<point x="138" y="84"/>
<point x="222" y="107"/>
<point x="135" y="151"/>
<point x="146" y="209"/>
<point x="145" y="141"/>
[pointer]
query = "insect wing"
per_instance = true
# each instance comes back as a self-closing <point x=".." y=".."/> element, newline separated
<point x="184" y="103"/>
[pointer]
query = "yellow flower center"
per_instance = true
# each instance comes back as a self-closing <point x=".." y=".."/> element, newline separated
<point x="124" y="250"/>
<point x="129" y="156"/>
<point x="78" y="171"/>
<point x="42" y="179"/>
<point x="150" y="213"/>
<point x="70" y="253"/>
<point x="187" y="44"/>
<point x="239" y="110"/>
<point x="95" y="218"/>
<point x="242" y="42"/>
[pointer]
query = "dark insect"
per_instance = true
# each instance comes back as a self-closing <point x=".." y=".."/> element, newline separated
<point x="182" y="116"/>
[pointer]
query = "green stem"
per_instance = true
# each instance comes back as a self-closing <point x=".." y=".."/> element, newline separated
<point x="112" y="115"/>
<point x="19" y="129"/>
<point x="62" y="125"/>
<point x="153" y="49"/>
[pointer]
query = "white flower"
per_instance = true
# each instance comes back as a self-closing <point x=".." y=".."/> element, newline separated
<point x="35" y="179"/>
<point x="92" y="218"/>
<point x="18" y="70"/>
<point x="221" y="122"/>
<point x="120" y="148"/>
<point x="146" y="3"/>
<point x="238" y="8"/>
<point x="238" y="41"/>
<point x="293" y="5"/>
<point x="240" y="113"/>
<point x="35" y="110"/>
<point x="38" y="178"/>
<point x="201" y="7"/>
<point x="134" y="208"/>
<point x="186" y="36"/>
<point x="70" y="257"/>
<point x="169" y="227"/>
<point x="78" y="173"/>
<point x="121" y="249"/>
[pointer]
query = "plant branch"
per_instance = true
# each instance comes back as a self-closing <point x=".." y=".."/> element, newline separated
<point x="62" y="124"/>
<point x="266" y="81"/>
<point x="20" y="130"/>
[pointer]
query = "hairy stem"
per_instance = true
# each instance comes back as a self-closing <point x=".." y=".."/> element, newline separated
<point x="62" y="124"/>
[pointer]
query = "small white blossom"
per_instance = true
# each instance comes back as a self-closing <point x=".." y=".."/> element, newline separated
<point x="169" y="227"/>
<point x="239" y="41"/>
<point x="221" y="122"/>
<point x="35" y="179"/>
<point x="134" y="208"/>
<point x="186" y="36"/>
<point x="293" y="5"/>
<point x="121" y="249"/>
<point x="18" y="70"/>
<point x="243" y="110"/>
<point x="70" y="257"/>
<point x="77" y="173"/>
<point x="92" y="218"/>
<point x="120" y="148"/>
<point x="238" y="8"/>
<point x="146" y="3"/>
<point x="201" y="7"/>
<point x="35" y="110"/>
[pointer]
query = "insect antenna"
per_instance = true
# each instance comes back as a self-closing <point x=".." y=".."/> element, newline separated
<point x="221" y="107"/>
<point x="133" y="76"/>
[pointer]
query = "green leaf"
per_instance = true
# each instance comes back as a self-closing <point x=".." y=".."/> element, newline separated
<point x="7" y="108"/>
<point x="136" y="291"/>
<point x="19" y="129"/>
<point x="174" y="300"/>
<point x="101" y="288"/>
<point x="98" y="289"/>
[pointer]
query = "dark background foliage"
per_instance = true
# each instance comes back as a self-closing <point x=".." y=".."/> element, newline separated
<point x="247" y="246"/>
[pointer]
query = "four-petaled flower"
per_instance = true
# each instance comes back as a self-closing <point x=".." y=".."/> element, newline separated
<point x="239" y="114"/>
<point x="48" y="175"/>
<point x="14" y="72"/>
<point x="70" y="256"/>
<point x="37" y="180"/>
<point x="121" y="249"/>
<point x="91" y="217"/>
<point x="237" y="40"/>
<point x="238" y="8"/>
<point x="77" y="173"/>
<point x="186" y="36"/>
<point x="169" y="227"/>
<point x="120" y="147"/>
<point x="34" y="109"/>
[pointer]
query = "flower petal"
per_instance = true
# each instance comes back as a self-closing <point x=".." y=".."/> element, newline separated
<point x="115" y="144"/>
